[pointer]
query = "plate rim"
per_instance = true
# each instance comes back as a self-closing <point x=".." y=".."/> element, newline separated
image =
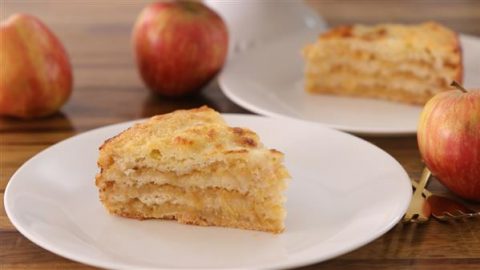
<point x="81" y="258"/>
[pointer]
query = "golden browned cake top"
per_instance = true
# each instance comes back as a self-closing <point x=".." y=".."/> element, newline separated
<point x="182" y="141"/>
<point x="396" y="38"/>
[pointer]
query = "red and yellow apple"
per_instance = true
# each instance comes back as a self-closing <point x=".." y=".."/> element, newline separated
<point x="36" y="76"/>
<point x="179" y="46"/>
<point x="449" y="141"/>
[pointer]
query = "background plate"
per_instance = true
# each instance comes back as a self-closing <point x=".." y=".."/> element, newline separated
<point x="269" y="80"/>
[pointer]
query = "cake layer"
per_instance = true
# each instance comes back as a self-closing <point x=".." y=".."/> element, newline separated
<point x="386" y="50"/>
<point x="137" y="209"/>
<point x="373" y="92"/>
<point x="235" y="177"/>
<point x="211" y="206"/>
<point x="194" y="197"/>
<point x="351" y="83"/>
<point x="417" y="69"/>
<point x="401" y="81"/>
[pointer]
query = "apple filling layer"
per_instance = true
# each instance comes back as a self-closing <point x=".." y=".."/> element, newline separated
<point x="235" y="176"/>
<point x="375" y="78"/>
<point x="206" y="206"/>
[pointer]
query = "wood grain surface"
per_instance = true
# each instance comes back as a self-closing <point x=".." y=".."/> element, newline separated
<point x="107" y="89"/>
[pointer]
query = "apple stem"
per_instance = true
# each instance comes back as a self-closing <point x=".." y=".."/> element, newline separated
<point x="458" y="86"/>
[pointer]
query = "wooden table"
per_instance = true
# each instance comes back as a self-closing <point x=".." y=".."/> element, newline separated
<point x="108" y="90"/>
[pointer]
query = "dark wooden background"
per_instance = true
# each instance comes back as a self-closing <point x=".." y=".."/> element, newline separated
<point x="108" y="90"/>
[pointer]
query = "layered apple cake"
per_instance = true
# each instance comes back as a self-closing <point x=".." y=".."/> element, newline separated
<point x="191" y="166"/>
<point x="406" y="63"/>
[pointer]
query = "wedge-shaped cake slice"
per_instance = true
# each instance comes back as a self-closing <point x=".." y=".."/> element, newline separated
<point x="405" y="63"/>
<point x="190" y="166"/>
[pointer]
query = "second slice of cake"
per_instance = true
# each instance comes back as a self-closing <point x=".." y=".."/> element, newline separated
<point x="190" y="166"/>
<point x="406" y="63"/>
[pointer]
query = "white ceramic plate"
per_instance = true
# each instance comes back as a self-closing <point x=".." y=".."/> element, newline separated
<point x="269" y="80"/>
<point x="345" y="192"/>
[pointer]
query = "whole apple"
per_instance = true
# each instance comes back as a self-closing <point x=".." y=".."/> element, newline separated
<point x="179" y="46"/>
<point x="36" y="76"/>
<point x="449" y="141"/>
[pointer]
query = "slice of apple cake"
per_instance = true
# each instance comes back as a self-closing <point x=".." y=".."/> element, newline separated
<point x="406" y="63"/>
<point x="190" y="166"/>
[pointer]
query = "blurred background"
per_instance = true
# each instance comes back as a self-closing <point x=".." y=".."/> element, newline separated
<point x="97" y="36"/>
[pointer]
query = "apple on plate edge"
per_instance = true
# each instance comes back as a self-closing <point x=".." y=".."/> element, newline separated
<point x="449" y="140"/>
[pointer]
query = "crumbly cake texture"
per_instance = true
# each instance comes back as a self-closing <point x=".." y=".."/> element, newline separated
<point x="190" y="166"/>
<point x="405" y="63"/>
